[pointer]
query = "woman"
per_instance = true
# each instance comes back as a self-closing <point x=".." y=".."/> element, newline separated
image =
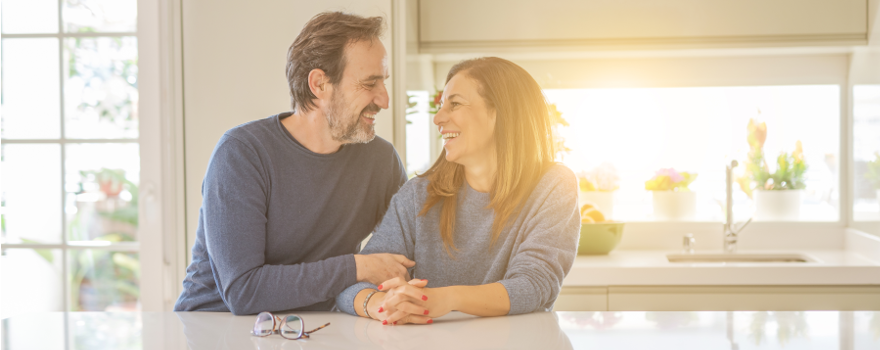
<point x="493" y="224"/>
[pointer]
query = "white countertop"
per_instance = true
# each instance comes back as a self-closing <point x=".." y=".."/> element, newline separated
<point x="855" y="330"/>
<point x="650" y="268"/>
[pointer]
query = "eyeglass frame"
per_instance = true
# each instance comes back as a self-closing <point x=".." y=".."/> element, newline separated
<point x="279" y="322"/>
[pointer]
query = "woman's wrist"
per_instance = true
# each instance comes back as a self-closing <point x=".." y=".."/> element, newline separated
<point x="374" y="303"/>
<point x="449" y="296"/>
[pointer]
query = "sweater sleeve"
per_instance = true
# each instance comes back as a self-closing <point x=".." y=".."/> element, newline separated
<point x="545" y="255"/>
<point x="394" y="235"/>
<point x="235" y="196"/>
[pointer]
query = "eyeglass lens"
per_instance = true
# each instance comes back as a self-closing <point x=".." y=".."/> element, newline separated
<point x="264" y="325"/>
<point x="292" y="327"/>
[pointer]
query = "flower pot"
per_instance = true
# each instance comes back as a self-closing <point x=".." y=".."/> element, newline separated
<point x="782" y="205"/>
<point x="674" y="206"/>
<point x="603" y="201"/>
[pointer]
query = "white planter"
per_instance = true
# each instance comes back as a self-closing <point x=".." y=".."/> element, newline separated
<point x="604" y="201"/>
<point x="783" y="205"/>
<point x="674" y="206"/>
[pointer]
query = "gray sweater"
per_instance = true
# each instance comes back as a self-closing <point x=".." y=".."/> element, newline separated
<point x="279" y="223"/>
<point x="530" y="258"/>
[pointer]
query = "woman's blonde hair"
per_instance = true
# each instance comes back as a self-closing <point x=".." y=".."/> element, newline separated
<point x="524" y="145"/>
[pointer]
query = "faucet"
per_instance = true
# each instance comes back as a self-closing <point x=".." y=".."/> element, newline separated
<point x="730" y="233"/>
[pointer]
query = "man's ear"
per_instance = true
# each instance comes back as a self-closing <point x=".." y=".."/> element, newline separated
<point x="319" y="83"/>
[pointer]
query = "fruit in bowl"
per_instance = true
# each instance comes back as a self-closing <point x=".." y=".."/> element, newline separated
<point x="598" y="235"/>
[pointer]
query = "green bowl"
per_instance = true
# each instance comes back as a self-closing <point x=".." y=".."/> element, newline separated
<point x="599" y="238"/>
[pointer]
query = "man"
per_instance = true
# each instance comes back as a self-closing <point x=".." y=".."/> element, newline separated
<point x="287" y="199"/>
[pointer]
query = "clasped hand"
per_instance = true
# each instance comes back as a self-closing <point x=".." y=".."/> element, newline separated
<point x="400" y="302"/>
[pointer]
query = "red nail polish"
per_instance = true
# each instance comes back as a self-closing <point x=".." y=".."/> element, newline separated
<point x="380" y="287"/>
<point x="395" y="322"/>
<point x="384" y="322"/>
<point x="424" y="297"/>
<point x="426" y="312"/>
<point x="430" y="321"/>
<point x="380" y="309"/>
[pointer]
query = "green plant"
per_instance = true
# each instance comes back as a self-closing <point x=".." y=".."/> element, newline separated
<point x="670" y="180"/>
<point x="602" y="178"/>
<point x="100" y="278"/>
<point x="790" y="168"/>
<point x="873" y="173"/>
<point x="556" y="121"/>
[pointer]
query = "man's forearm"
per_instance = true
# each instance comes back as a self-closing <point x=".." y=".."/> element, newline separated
<point x="483" y="300"/>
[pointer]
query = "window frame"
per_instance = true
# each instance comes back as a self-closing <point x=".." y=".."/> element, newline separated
<point x="817" y="65"/>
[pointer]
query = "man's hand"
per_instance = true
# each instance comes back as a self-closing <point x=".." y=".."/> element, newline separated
<point x="378" y="268"/>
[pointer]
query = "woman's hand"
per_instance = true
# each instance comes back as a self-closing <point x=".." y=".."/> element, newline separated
<point x="412" y="302"/>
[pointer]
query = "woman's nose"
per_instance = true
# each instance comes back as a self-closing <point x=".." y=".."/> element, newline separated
<point x="440" y="117"/>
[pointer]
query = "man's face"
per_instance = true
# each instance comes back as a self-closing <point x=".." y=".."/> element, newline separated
<point x="360" y="94"/>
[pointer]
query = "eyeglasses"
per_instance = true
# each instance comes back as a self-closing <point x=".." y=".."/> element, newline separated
<point x="289" y="327"/>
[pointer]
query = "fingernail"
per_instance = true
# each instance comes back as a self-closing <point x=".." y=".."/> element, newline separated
<point x="384" y="322"/>
<point x="424" y="297"/>
<point x="380" y="287"/>
<point x="430" y="321"/>
<point x="381" y="309"/>
<point x="395" y="322"/>
<point x="424" y="279"/>
<point x="426" y="312"/>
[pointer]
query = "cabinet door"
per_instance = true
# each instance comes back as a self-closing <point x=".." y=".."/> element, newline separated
<point x="736" y="298"/>
<point x="582" y="299"/>
<point x="456" y="25"/>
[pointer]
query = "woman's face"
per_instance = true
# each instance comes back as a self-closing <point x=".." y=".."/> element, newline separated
<point x="465" y="122"/>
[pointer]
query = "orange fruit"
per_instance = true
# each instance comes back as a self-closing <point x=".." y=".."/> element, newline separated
<point x="593" y="214"/>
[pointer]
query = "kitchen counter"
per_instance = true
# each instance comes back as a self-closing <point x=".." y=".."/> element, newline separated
<point x="650" y="267"/>
<point x="850" y="330"/>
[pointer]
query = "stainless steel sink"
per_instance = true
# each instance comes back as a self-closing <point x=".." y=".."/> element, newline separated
<point x="740" y="258"/>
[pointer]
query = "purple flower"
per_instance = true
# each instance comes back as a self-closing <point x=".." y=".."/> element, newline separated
<point x="673" y="175"/>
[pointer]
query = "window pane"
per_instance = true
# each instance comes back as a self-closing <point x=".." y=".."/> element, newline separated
<point x="699" y="130"/>
<point x="102" y="192"/>
<point x="31" y="193"/>
<point x="31" y="93"/>
<point x="866" y="136"/>
<point x="100" y="88"/>
<point x="30" y="16"/>
<point x="100" y="16"/>
<point x="104" y="280"/>
<point x="31" y="281"/>
<point x="418" y="129"/>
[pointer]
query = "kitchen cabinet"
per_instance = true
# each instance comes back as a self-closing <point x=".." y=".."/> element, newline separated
<point x="509" y="25"/>
<point x="718" y="298"/>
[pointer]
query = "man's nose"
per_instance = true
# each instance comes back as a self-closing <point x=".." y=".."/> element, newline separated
<point x="381" y="99"/>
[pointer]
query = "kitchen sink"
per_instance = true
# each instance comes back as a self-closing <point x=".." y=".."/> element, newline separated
<point x="740" y="258"/>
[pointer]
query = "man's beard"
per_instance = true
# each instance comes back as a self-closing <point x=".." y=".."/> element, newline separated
<point x="351" y="130"/>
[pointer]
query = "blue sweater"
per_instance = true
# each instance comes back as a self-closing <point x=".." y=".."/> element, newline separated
<point x="279" y="224"/>
<point x="531" y="257"/>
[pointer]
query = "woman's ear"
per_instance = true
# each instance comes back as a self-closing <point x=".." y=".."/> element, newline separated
<point x="319" y="83"/>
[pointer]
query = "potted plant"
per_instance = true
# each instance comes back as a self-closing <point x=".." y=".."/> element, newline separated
<point x="597" y="187"/>
<point x="673" y="200"/>
<point x="873" y="173"/>
<point x="777" y="194"/>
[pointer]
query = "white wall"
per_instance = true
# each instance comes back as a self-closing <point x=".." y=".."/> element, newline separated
<point x="234" y="55"/>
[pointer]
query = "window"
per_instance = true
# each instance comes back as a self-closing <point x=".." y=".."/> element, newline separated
<point x="631" y="134"/>
<point x="70" y="156"/>
<point x="866" y="152"/>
